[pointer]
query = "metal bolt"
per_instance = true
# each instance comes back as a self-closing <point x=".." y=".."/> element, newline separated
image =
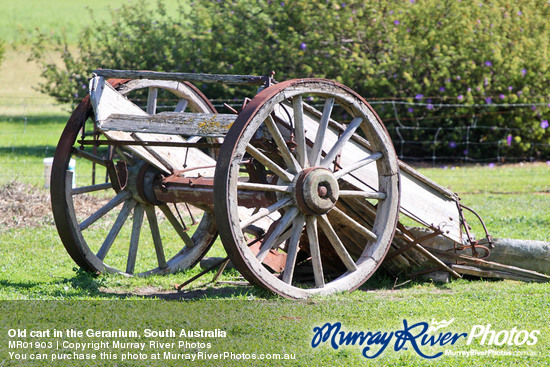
<point x="322" y="191"/>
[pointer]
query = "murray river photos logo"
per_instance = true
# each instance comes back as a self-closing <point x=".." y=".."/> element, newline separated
<point x="417" y="337"/>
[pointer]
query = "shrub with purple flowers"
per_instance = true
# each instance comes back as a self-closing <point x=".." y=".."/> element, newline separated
<point x="451" y="52"/>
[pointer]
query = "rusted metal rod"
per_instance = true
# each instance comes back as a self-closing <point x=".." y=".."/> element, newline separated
<point x="150" y="143"/>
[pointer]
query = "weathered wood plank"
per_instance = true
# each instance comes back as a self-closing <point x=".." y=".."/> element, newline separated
<point x="107" y="101"/>
<point x="488" y="264"/>
<point x="188" y="77"/>
<point x="485" y="273"/>
<point x="177" y="123"/>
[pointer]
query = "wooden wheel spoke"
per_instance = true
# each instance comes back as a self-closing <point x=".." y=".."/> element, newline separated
<point x="152" y="100"/>
<point x="315" y="153"/>
<point x="182" y="105"/>
<point x="264" y="187"/>
<point x="274" y="167"/>
<point x="264" y="212"/>
<point x="299" y="132"/>
<point x="363" y="162"/>
<point x="91" y="188"/>
<point x="291" y="163"/>
<point x="155" y="233"/>
<point x="115" y="229"/>
<point x="114" y="202"/>
<point x="344" y="138"/>
<point x="377" y="195"/>
<point x="338" y="246"/>
<point x="350" y="222"/>
<point x="297" y="229"/>
<point x="279" y="229"/>
<point x="134" y="239"/>
<point x="176" y="225"/>
<point x="313" y="237"/>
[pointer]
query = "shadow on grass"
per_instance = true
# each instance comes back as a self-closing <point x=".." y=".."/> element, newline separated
<point x="29" y="151"/>
<point x="85" y="284"/>
<point x="36" y="120"/>
<point x="381" y="281"/>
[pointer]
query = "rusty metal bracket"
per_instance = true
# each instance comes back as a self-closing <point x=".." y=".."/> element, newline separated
<point x="487" y="235"/>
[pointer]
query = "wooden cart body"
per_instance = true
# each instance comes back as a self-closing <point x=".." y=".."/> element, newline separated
<point x="422" y="199"/>
<point x="317" y="194"/>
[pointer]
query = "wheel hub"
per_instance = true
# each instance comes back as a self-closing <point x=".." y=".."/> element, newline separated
<point x="141" y="179"/>
<point x="316" y="191"/>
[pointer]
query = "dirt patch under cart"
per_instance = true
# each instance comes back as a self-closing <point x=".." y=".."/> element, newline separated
<point x="26" y="205"/>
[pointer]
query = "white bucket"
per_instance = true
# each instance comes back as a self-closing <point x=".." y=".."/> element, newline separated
<point x="48" y="171"/>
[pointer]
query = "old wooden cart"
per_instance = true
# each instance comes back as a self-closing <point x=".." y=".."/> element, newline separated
<point x="302" y="185"/>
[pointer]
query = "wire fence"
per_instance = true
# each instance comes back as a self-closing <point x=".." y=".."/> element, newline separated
<point x="453" y="135"/>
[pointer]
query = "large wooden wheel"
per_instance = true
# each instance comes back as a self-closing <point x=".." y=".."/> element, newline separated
<point x="325" y="169"/>
<point x="106" y="237"/>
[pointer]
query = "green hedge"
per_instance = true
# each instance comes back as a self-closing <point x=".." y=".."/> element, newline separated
<point x="477" y="55"/>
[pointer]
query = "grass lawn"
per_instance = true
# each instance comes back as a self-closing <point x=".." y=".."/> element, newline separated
<point x="514" y="201"/>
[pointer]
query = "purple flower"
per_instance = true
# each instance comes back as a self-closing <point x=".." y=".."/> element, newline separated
<point x="465" y="152"/>
<point x="396" y="22"/>
<point x="412" y="1"/>
<point x="282" y="4"/>
<point x="460" y="97"/>
<point x="544" y="124"/>
<point x="488" y="100"/>
<point x="488" y="63"/>
<point x="442" y="89"/>
<point x="509" y="140"/>
<point x="458" y="77"/>
<point x="502" y="96"/>
<point x="533" y="107"/>
<point x="519" y="12"/>
<point x="303" y="46"/>
<point x="491" y="165"/>
<point x="469" y="89"/>
<point x="410" y="110"/>
<point x="510" y="88"/>
<point x="418" y="97"/>
<point x="343" y="5"/>
<point x="430" y="106"/>
<point x="523" y="72"/>
<point x="519" y="93"/>
<point x="391" y="11"/>
<point x="452" y="144"/>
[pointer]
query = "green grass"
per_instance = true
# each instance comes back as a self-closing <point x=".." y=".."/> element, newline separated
<point x="19" y="18"/>
<point x="513" y="200"/>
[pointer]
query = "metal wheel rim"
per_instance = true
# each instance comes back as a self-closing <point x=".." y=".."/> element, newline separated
<point x="225" y="189"/>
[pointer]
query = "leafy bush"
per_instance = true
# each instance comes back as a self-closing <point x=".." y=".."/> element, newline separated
<point x="426" y="55"/>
